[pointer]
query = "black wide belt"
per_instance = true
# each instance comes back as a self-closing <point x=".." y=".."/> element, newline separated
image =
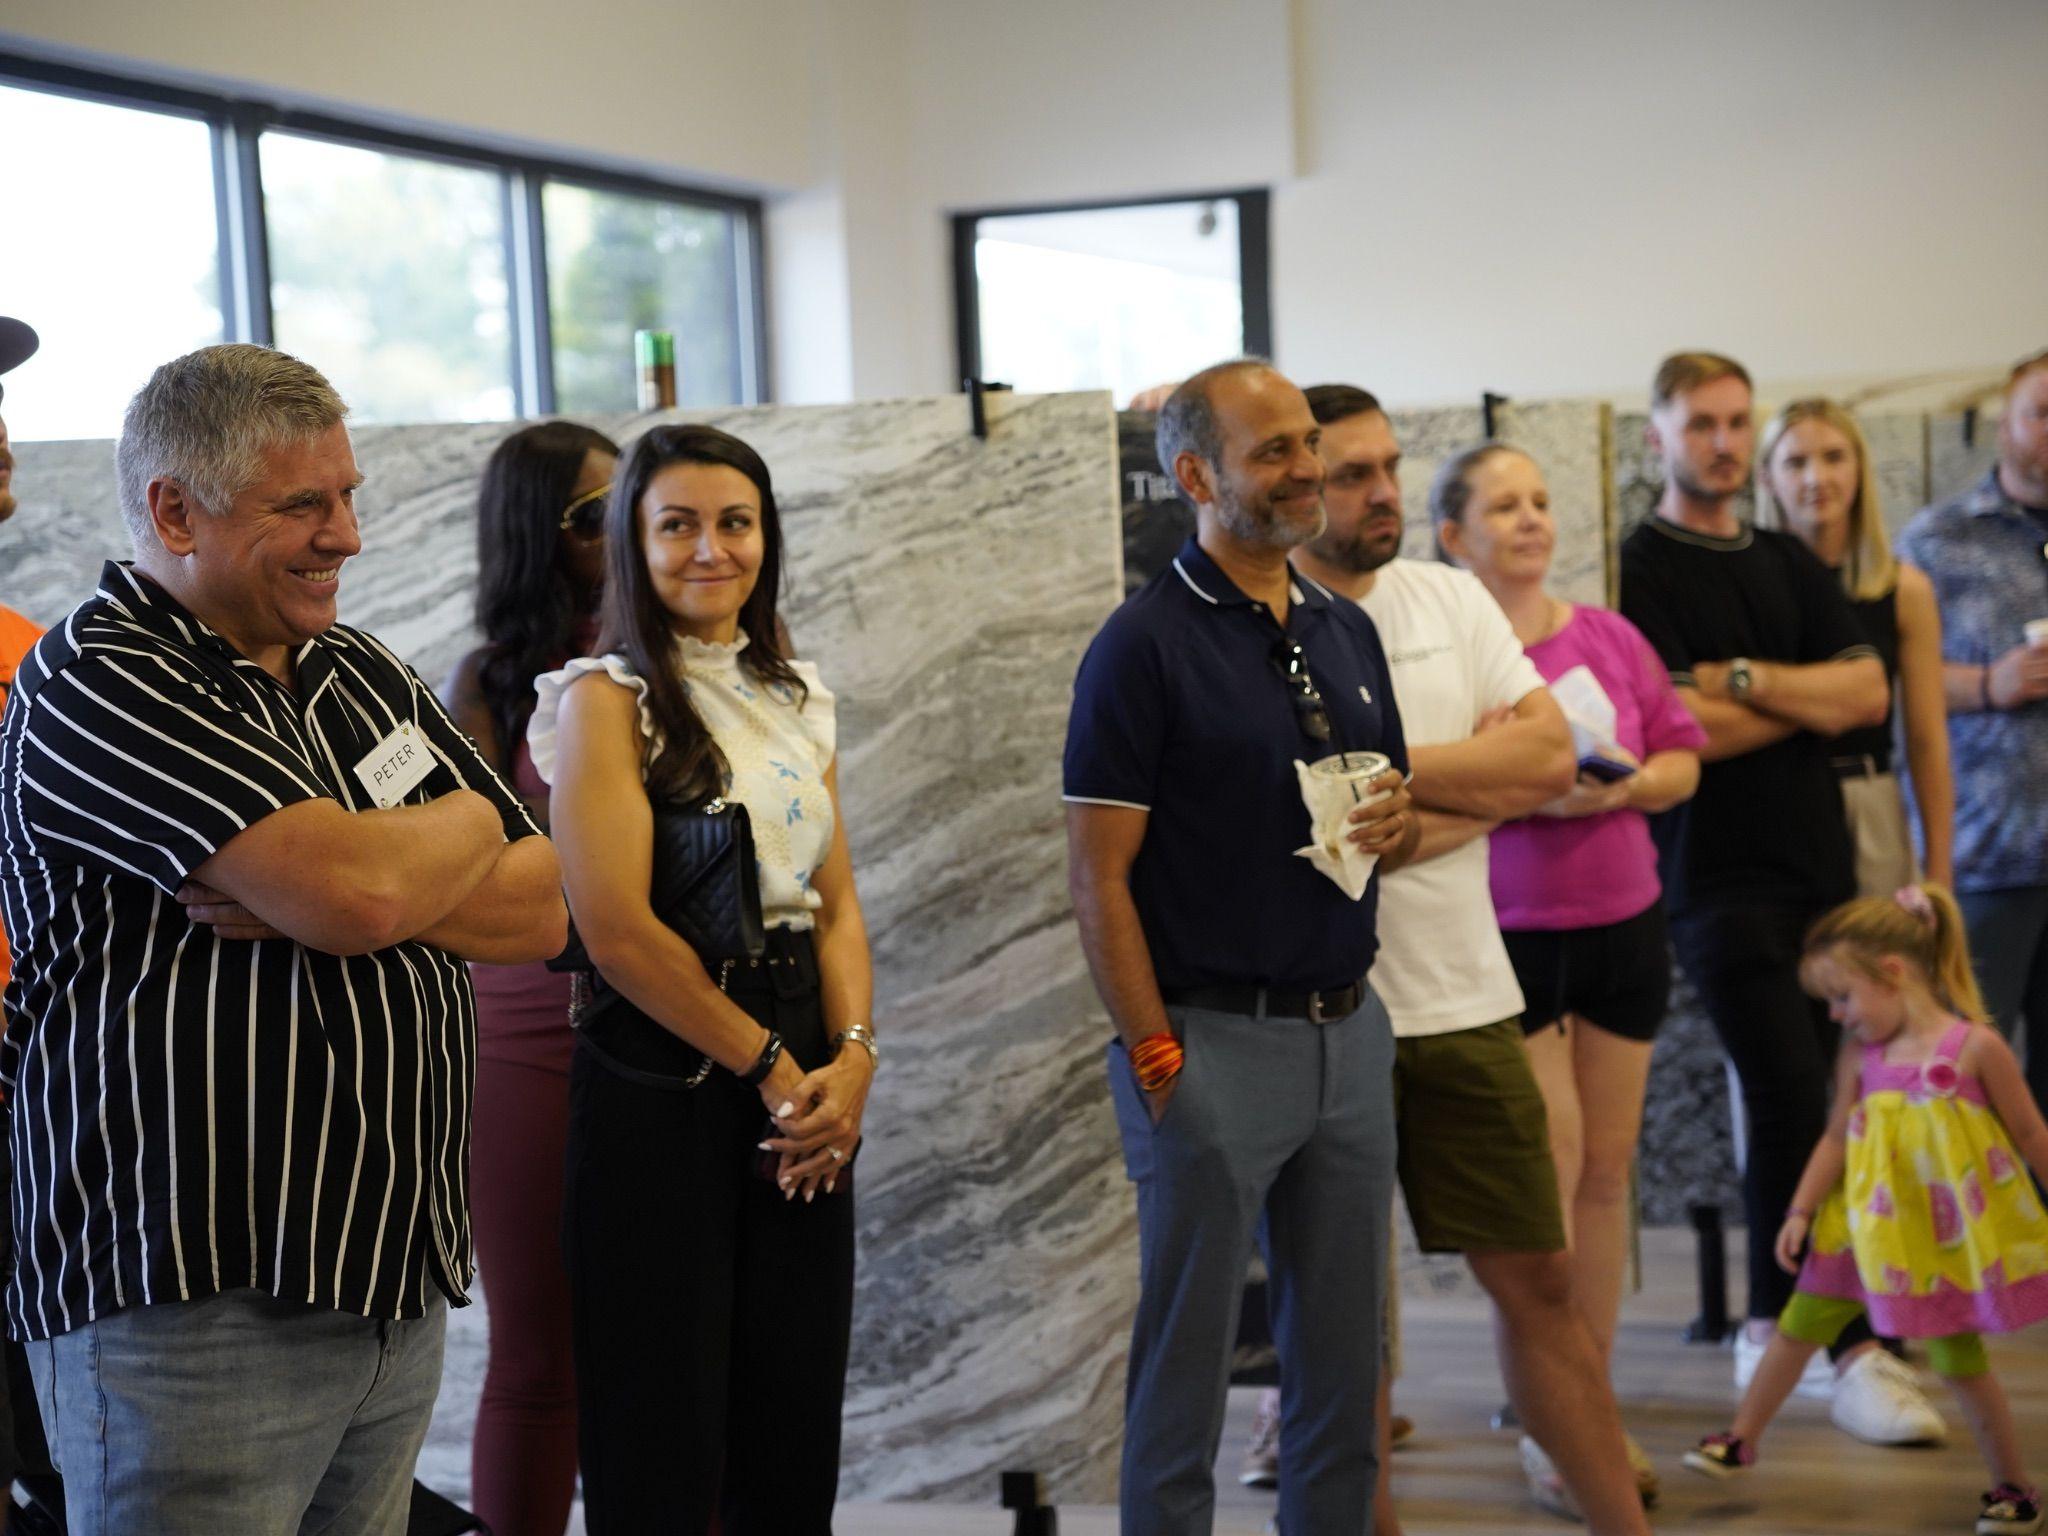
<point x="1325" y="1007"/>
<point x="1861" y="765"/>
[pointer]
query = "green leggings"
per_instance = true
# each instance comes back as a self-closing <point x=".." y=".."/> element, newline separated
<point x="1819" y="1320"/>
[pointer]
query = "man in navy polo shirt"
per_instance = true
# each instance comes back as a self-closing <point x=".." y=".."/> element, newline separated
<point x="1252" y="1066"/>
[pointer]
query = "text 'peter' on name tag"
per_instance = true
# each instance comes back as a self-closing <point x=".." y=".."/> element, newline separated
<point x="396" y="765"/>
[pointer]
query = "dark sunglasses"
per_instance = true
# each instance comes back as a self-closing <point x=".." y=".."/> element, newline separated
<point x="1292" y="663"/>
<point x="584" y="516"/>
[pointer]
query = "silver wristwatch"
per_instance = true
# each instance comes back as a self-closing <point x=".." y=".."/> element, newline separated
<point x="1741" y="678"/>
<point x="862" y="1036"/>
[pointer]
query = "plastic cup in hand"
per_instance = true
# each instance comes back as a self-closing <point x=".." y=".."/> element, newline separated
<point x="1337" y="783"/>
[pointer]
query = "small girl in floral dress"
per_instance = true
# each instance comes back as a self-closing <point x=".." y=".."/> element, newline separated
<point x="1916" y="1202"/>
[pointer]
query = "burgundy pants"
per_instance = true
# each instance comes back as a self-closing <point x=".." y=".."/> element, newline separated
<point x="523" y="1459"/>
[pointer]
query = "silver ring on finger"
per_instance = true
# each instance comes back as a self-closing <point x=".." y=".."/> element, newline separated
<point x="837" y="1155"/>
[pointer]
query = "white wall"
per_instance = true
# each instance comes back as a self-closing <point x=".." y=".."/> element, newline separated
<point x="1543" y="199"/>
<point x="696" y="86"/>
<point x="1537" y="199"/>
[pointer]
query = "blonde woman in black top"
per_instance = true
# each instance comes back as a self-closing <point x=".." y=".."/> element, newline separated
<point x="1816" y="484"/>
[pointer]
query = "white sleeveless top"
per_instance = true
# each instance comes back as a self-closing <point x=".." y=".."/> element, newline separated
<point x="777" y="751"/>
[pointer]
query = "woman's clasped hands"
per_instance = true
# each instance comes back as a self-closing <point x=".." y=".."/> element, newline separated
<point x="819" y="1118"/>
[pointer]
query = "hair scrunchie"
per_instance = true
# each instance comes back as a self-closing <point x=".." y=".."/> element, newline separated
<point x="1912" y="899"/>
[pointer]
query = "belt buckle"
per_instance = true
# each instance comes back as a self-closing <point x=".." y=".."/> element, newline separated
<point x="1315" y="1009"/>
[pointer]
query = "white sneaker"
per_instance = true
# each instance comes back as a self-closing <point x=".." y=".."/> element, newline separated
<point x="1546" y="1484"/>
<point x="1817" y="1381"/>
<point x="1262" y="1452"/>
<point x="1878" y="1399"/>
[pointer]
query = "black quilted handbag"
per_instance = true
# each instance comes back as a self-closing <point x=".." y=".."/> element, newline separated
<point x="707" y="887"/>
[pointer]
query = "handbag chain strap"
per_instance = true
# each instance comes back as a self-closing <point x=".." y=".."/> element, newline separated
<point x="581" y="995"/>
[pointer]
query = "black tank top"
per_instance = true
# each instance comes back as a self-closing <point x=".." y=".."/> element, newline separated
<point x="1879" y="617"/>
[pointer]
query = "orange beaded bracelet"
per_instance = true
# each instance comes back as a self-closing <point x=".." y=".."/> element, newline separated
<point x="1156" y="1060"/>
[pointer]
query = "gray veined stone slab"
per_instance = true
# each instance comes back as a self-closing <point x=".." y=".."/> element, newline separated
<point x="1960" y="449"/>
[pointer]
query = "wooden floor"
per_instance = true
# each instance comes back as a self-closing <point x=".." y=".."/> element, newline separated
<point x="1460" y="1477"/>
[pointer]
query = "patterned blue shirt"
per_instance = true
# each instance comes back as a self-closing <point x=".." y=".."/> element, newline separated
<point x="1988" y="560"/>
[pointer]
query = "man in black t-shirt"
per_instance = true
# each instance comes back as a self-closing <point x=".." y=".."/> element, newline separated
<point x="1768" y="656"/>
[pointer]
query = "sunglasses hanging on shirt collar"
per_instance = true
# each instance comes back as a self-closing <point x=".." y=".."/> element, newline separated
<point x="1307" y="699"/>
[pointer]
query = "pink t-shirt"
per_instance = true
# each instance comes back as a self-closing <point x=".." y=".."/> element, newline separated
<point x="1554" y="873"/>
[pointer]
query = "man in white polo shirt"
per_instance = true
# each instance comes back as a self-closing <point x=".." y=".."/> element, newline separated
<point x="1487" y="743"/>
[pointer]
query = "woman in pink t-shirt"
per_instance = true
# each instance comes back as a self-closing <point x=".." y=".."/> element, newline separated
<point x="1575" y="886"/>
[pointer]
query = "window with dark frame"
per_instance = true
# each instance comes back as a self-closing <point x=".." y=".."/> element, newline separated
<point x="1117" y="296"/>
<point x="433" y="279"/>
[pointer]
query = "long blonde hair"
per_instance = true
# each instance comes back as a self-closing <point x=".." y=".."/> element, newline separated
<point x="1870" y="570"/>
<point x="1921" y="924"/>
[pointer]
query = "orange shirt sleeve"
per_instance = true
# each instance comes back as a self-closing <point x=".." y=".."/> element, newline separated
<point x="17" y="635"/>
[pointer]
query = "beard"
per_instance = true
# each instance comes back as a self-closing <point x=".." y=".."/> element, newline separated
<point x="1256" y="522"/>
<point x="1362" y="551"/>
<point x="1690" y="484"/>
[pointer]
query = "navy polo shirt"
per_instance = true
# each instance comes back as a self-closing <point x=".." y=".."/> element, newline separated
<point x="1179" y="710"/>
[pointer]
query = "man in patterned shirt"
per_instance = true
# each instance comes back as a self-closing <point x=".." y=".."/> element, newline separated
<point x="1986" y="551"/>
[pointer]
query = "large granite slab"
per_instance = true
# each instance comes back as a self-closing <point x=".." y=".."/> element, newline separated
<point x="1961" y="446"/>
<point x="947" y="587"/>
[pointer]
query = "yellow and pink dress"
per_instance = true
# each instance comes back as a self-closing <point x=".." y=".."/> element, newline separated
<point x="1936" y="1227"/>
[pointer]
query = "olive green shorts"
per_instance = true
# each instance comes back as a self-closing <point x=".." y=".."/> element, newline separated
<point x="1474" y="1155"/>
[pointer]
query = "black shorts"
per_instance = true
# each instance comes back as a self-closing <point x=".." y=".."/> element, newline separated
<point x="1618" y="977"/>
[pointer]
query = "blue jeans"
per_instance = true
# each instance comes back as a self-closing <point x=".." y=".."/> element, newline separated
<point x="2009" y="943"/>
<point x="1283" y="1131"/>
<point x="239" y="1413"/>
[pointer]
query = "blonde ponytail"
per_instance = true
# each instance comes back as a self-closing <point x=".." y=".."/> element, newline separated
<point x="1954" y="978"/>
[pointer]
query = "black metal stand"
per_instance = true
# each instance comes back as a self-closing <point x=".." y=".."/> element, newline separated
<point x="1711" y="1255"/>
<point x="1021" y="1493"/>
<point x="977" y="391"/>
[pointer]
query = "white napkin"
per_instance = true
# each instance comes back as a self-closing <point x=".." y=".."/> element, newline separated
<point x="1330" y="803"/>
<point x="1589" y="712"/>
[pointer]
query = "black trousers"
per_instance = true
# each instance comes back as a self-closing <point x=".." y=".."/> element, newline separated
<point x="710" y="1315"/>
<point x="1744" y="961"/>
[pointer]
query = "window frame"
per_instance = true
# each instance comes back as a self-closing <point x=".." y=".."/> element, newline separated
<point x="237" y="121"/>
<point x="1254" y="262"/>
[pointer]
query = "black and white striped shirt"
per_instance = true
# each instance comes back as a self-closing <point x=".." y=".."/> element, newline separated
<point x="193" y="1114"/>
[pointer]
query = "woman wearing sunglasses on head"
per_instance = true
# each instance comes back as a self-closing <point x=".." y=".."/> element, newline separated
<point x="724" y="1054"/>
<point x="540" y="548"/>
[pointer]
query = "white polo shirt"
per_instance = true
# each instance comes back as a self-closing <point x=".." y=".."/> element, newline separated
<point x="1453" y="656"/>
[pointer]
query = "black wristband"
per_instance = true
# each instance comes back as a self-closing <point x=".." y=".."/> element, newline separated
<point x="1984" y="686"/>
<point x="764" y="1063"/>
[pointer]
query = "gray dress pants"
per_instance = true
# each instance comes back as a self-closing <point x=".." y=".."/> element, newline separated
<point x="1280" y="1131"/>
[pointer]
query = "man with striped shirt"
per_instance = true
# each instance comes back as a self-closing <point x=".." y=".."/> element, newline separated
<point x="243" y="855"/>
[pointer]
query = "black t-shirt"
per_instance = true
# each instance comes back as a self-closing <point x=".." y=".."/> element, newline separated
<point x="1766" y="826"/>
<point x="1878" y="618"/>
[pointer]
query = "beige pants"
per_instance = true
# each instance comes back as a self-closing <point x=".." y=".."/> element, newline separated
<point x="1877" y="827"/>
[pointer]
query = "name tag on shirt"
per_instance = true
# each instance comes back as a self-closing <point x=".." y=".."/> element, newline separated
<point x="395" y="766"/>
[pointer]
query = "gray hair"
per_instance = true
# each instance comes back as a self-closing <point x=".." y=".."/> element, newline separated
<point x="208" y="420"/>
<point x="1187" y="422"/>
<point x="1451" y="489"/>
